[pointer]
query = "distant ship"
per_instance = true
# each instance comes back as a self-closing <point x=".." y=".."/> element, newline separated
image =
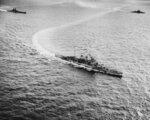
<point x="89" y="64"/>
<point x="14" y="10"/>
<point x="138" y="11"/>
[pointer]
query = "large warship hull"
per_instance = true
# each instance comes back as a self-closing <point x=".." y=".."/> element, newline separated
<point x="138" y="12"/>
<point x="21" y="12"/>
<point x="96" y="69"/>
<point x="109" y="72"/>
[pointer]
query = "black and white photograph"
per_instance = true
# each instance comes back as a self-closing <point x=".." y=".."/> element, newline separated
<point x="74" y="59"/>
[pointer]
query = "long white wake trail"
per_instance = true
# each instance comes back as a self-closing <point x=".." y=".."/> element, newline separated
<point x="2" y="10"/>
<point x="43" y="34"/>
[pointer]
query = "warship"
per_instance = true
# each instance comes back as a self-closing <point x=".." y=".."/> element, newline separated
<point x="89" y="64"/>
<point x="138" y="12"/>
<point x="14" y="10"/>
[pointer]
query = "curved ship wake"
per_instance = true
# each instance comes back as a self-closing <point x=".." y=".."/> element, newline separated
<point x="82" y="63"/>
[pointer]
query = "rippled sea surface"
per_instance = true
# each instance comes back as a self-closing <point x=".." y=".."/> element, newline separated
<point x="36" y="86"/>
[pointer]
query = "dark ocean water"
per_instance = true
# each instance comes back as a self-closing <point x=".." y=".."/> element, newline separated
<point x="35" y="86"/>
